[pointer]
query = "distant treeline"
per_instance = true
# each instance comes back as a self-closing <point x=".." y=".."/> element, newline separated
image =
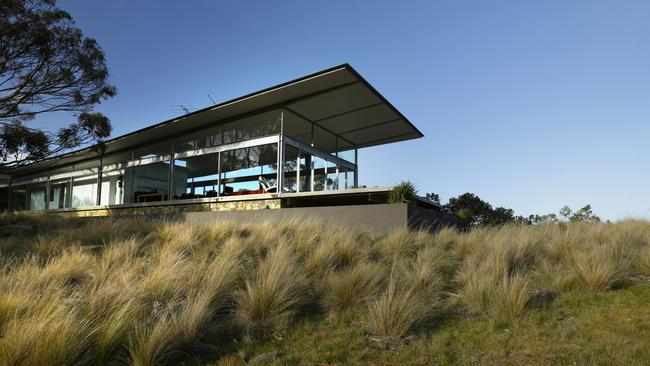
<point x="475" y="211"/>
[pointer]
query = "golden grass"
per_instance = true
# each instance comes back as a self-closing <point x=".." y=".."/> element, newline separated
<point x="351" y="287"/>
<point x="156" y="292"/>
<point x="398" y="310"/>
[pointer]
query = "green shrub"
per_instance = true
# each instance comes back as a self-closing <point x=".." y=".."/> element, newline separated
<point x="403" y="192"/>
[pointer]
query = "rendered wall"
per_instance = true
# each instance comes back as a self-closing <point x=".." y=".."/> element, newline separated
<point x="378" y="218"/>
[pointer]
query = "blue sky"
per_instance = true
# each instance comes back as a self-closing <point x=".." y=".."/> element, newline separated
<point x="529" y="104"/>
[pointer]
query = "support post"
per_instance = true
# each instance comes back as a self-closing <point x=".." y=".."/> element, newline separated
<point x="280" y="182"/>
<point x="298" y="172"/>
<point x="219" y="174"/>
<point x="47" y="193"/>
<point x="68" y="198"/>
<point x="337" y="180"/>
<point x="99" y="179"/>
<point x="356" y="164"/>
<point x="280" y="179"/>
<point x="171" y="182"/>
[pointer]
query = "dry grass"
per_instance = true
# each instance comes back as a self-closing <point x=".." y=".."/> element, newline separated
<point x="398" y="310"/>
<point x="351" y="287"/>
<point x="146" y="292"/>
<point x="271" y="295"/>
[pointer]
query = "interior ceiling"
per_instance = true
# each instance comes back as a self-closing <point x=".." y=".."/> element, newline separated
<point x="338" y="99"/>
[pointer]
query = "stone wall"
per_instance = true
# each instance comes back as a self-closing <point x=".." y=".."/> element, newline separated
<point x="171" y="209"/>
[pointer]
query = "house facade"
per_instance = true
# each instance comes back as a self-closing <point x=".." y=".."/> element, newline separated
<point x="298" y="138"/>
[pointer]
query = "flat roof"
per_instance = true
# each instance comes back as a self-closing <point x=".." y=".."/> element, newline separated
<point x="338" y="99"/>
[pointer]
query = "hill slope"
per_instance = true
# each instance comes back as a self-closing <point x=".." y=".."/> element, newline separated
<point x="144" y="293"/>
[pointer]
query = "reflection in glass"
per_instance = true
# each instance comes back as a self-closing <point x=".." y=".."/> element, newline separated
<point x="196" y="176"/>
<point x="332" y="176"/>
<point x="36" y="194"/>
<point x="147" y="183"/>
<point x="320" y="175"/>
<point x="59" y="194"/>
<point x="84" y="191"/>
<point x="260" y="125"/>
<point x="290" y="169"/>
<point x="112" y="192"/>
<point x="297" y="128"/>
<point x="249" y="170"/>
<point x="19" y="198"/>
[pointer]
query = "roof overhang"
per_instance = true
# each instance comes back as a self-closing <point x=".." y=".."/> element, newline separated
<point x="337" y="99"/>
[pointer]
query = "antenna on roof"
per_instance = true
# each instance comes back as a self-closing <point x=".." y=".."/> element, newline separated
<point x="181" y="107"/>
<point x="213" y="102"/>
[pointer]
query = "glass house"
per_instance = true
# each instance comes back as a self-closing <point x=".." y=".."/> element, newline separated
<point x="298" y="137"/>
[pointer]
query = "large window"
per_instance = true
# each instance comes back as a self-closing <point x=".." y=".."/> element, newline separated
<point x="18" y="199"/>
<point x="112" y="192"/>
<point x="36" y="194"/>
<point x="59" y="193"/>
<point x="249" y="170"/>
<point x="259" y="125"/>
<point x="297" y="128"/>
<point x="196" y="176"/>
<point x="147" y="182"/>
<point x="84" y="191"/>
<point x="239" y="157"/>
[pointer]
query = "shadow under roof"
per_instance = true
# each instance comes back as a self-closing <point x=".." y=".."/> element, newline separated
<point x="338" y="99"/>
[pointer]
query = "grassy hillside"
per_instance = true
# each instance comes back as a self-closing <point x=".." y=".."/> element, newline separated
<point x="144" y="293"/>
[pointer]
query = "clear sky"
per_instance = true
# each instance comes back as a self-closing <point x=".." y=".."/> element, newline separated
<point x="529" y="104"/>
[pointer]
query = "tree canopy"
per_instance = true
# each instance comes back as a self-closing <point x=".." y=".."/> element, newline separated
<point x="47" y="65"/>
<point x="475" y="211"/>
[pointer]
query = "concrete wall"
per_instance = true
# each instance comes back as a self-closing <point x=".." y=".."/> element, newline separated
<point x="420" y="217"/>
<point x="378" y="218"/>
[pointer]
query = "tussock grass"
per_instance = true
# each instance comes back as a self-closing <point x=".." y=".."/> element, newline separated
<point x="271" y="295"/>
<point x="398" y="310"/>
<point x="160" y="292"/>
<point x="642" y="261"/>
<point x="600" y="267"/>
<point x="351" y="287"/>
<point x="511" y="297"/>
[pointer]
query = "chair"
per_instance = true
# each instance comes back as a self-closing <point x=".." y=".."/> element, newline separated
<point x="266" y="186"/>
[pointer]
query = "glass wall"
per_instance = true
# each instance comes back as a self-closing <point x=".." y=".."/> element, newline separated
<point x="346" y="178"/>
<point x="18" y="198"/>
<point x="36" y="196"/>
<point x="239" y="157"/>
<point x="59" y="193"/>
<point x="146" y="182"/>
<point x="84" y="191"/>
<point x="297" y="128"/>
<point x="259" y="125"/>
<point x="112" y="192"/>
<point x="249" y="170"/>
<point x="319" y="173"/>
<point x="196" y="177"/>
<point x="290" y="169"/>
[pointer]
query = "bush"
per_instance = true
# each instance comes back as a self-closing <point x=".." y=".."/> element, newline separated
<point x="402" y="193"/>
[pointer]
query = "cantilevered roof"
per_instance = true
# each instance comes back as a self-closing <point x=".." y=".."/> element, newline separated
<point x="337" y="99"/>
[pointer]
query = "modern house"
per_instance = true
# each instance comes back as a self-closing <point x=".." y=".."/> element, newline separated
<point x="293" y="144"/>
